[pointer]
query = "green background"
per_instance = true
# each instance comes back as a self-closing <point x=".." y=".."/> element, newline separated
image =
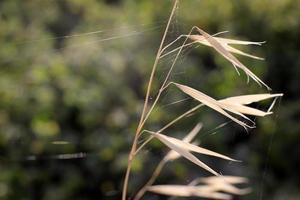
<point x="88" y="91"/>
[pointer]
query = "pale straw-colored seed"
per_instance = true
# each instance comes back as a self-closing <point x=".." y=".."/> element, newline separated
<point x="188" y="191"/>
<point x="234" y="105"/>
<point x="172" y="155"/>
<point x="210" y="102"/>
<point x="184" y="148"/>
<point x="220" y="48"/>
<point x="226" y="44"/>
<point x="248" y="99"/>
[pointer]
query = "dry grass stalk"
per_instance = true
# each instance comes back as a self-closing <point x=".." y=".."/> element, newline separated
<point x="140" y="126"/>
<point x="235" y="105"/>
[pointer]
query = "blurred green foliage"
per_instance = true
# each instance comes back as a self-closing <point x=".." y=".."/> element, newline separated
<point x="69" y="104"/>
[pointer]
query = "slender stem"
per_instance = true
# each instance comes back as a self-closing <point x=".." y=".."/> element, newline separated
<point x="140" y="126"/>
<point x="165" y="83"/>
<point x="169" y="124"/>
<point x="144" y="143"/>
<point x="177" y="56"/>
<point x="174" y="50"/>
<point x="156" y="62"/>
<point x="154" y="103"/>
<point x="180" y="117"/>
<point x="173" y="42"/>
<point x="186" y="45"/>
<point x="154" y="176"/>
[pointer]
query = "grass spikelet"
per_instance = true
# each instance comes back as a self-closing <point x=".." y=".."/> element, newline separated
<point x="227" y="179"/>
<point x="226" y="44"/>
<point x="188" y="191"/>
<point x="210" y="187"/>
<point x="248" y="99"/>
<point x="184" y="148"/>
<point x="210" y="102"/>
<point x="172" y="155"/>
<point x="183" y="152"/>
<point x="231" y="104"/>
<point x="219" y="47"/>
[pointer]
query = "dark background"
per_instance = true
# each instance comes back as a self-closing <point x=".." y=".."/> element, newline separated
<point x="89" y="94"/>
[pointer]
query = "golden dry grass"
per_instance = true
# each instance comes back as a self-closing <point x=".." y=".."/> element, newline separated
<point x="235" y="108"/>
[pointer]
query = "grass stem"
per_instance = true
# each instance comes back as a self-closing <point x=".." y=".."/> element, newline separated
<point x="140" y="126"/>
